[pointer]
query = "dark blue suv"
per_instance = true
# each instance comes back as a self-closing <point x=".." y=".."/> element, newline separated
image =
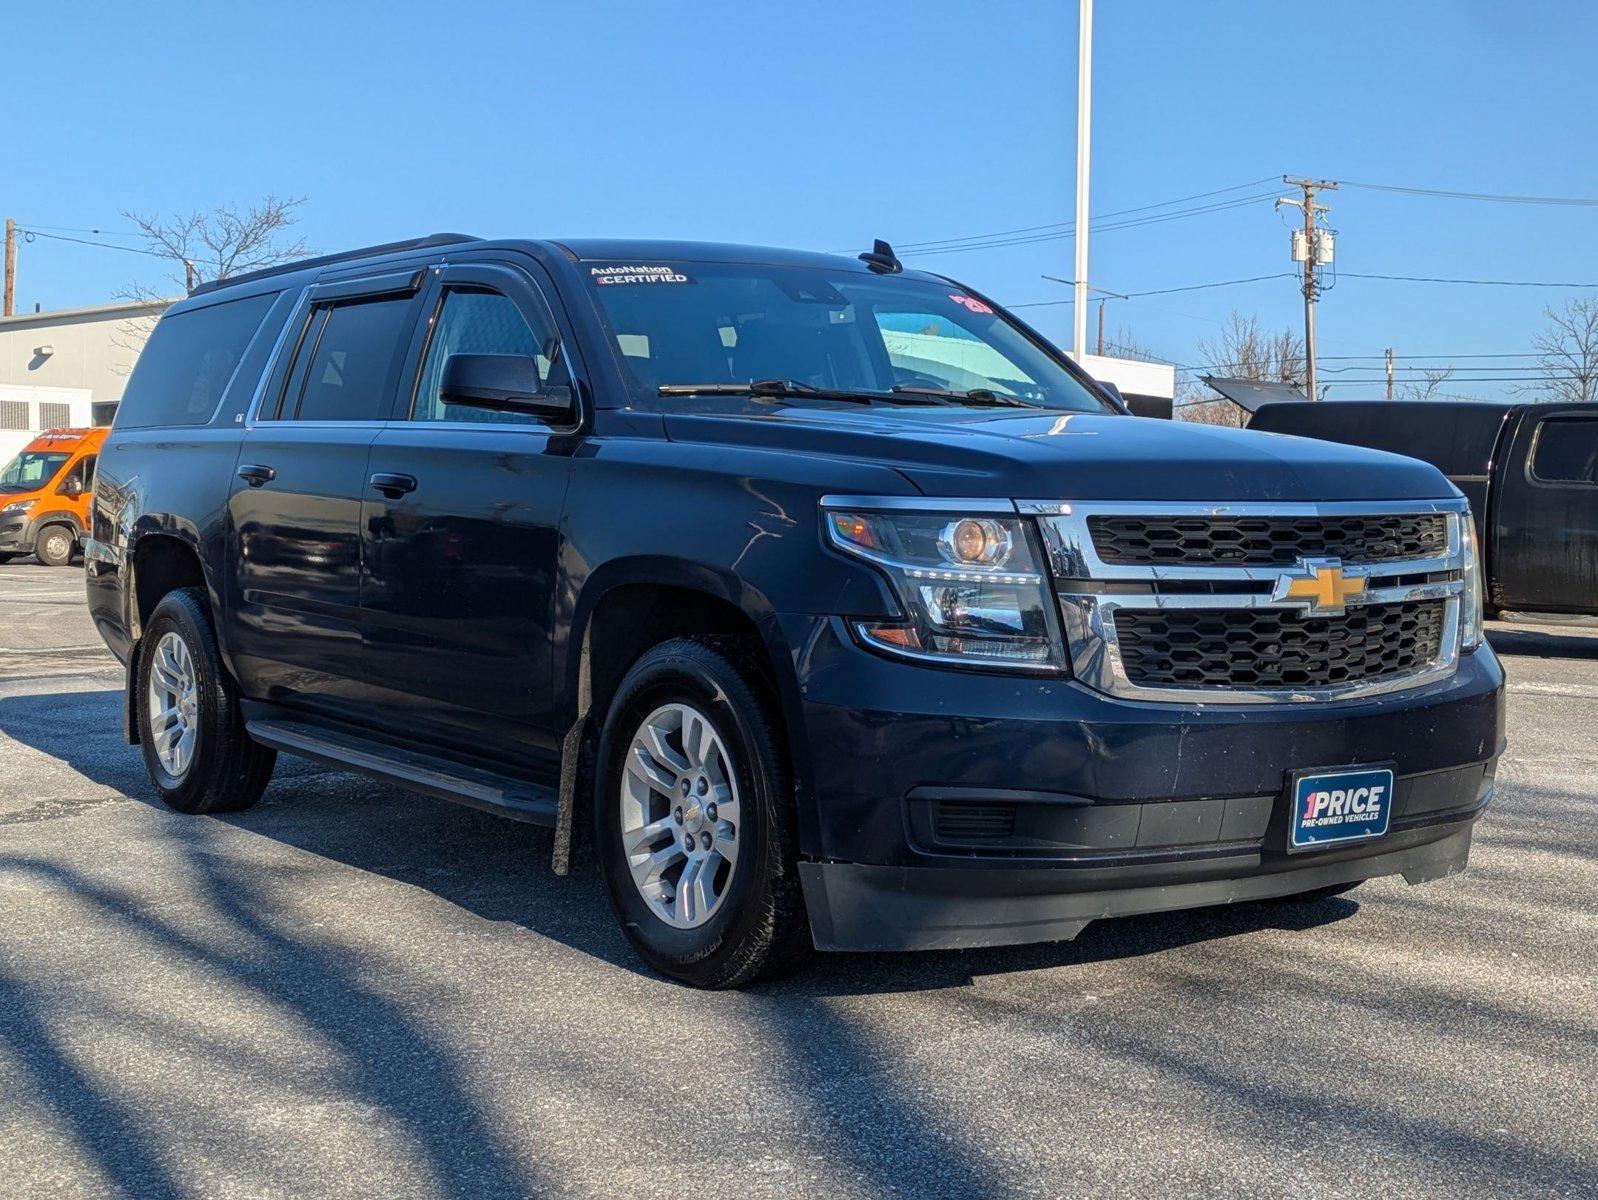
<point x="828" y="602"/>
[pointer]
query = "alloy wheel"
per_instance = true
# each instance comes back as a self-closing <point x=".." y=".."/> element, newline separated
<point x="680" y="815"/>
<point x="173" y="705"/>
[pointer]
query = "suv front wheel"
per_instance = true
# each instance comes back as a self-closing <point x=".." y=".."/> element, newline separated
<point x="694" y="817"/>
<point x="196" y="750"/>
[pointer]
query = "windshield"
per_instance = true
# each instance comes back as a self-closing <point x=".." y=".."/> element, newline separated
<point x="31" y="469"/>
<point x="677" y="324"/>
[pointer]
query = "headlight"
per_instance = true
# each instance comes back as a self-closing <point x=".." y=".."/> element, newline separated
<point x="1470" y="607"/>
<point x="21" y="506"/>
<point x="970" y="587"/>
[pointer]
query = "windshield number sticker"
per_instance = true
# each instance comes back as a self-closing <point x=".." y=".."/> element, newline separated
<point x="971" y="303"/>
<point x="636" y="274"/>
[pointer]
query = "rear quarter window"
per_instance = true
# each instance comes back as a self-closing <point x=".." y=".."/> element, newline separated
<point x="187" y="363"/>
<point x="1566" y="451"/>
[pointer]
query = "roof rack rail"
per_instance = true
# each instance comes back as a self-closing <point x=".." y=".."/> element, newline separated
<point x="326" y="260"/>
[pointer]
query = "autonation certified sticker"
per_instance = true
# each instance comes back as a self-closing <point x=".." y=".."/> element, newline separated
<point x="636" y="273"/>
<point x="1341" y="806"/>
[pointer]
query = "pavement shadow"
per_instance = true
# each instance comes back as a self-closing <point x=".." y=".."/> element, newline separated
<point x="498" y="870"/>
<point x="1539" y="643"/>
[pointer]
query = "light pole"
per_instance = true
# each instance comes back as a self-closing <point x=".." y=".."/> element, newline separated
<point x="1084" y="126"/>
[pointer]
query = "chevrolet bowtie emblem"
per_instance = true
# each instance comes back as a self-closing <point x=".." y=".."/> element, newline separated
<point x="1321" y="585"/>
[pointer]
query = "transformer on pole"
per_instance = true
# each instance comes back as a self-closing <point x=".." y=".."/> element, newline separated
<point x="1313" y="247"/>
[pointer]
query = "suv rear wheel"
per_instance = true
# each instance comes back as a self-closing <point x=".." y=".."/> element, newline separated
<point x="191" y="731"/>
<point x="55" y="545"/>
<point x="694" y="817"/>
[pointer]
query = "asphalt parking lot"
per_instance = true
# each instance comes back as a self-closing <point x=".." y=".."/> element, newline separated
<point x="353" y="991"/>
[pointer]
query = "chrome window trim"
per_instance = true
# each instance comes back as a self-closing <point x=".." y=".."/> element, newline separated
<point x="292" y="323"/>
<point x="1088" y="615"/>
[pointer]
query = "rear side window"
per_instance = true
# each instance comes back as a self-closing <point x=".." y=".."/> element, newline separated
<point x="1566" y="451"/>
<point x="345" y="367"/>
<point x="186" y="365"/>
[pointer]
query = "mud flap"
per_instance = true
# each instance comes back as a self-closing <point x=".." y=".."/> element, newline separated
<point x="130" y="706"/>
<point x="573" y="753"/>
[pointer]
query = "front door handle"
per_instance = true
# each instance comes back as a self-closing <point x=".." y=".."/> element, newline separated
<point x="257" y="476"/>
<point x="393" y="486"/>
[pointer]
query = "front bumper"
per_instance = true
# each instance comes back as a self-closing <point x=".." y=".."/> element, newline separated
<point x="1111" y="806"/>
<point x="855" y="907"/>
<point x="16" y="534"/>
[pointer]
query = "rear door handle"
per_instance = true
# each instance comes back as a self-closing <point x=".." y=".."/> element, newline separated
<point x="393" y="486"/>
<point x="257" y="476"/>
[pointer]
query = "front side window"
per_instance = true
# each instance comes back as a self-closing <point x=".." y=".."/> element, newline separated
<point x="344" y="371"/>
<point x="478" y="321"/>
<point x="1566" y="451"/>
<point x="84" y="471"/>
<point x="31" y="469"/>
<point x="680" y="324"/>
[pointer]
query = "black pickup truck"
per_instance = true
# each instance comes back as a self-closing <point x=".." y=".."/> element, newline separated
<point x="827" y="602"/>
<point x="1530" y="472"/>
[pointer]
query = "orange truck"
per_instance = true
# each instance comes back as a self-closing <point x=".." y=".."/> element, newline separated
<point x="45" y="493"/>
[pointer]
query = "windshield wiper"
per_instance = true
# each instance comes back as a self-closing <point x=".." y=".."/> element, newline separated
<point x="978" y="396"/>
<point x="781" y="389"/>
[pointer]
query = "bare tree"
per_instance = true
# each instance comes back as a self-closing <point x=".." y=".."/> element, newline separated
<point x="1426" y="387"/>
<point x="1200" y="411"/>
<point x="1567" y="354"/>
<point x="225" y="240"/>
<point x="212" y="244"/>
<point x="1247" y="351"/>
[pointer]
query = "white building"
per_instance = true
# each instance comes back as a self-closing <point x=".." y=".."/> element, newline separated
<point x="67" y="367"/>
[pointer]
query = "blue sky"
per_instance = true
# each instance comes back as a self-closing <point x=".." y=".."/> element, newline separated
<point x="826" y="124"/>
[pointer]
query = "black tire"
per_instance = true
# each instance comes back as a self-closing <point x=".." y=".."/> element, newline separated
<point x="759" y="927"/>
<point x="7" y="555"/>
<point x="56" y="545"/>
<point x="227" y="770"/>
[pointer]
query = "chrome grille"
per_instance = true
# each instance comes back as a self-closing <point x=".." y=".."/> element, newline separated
<point x="1277" y="648"/>
<point x="1256" y="603"/>
<point x="1268" y="541"/>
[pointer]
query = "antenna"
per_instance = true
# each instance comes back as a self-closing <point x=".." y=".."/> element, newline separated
<point x="882" y="259"/>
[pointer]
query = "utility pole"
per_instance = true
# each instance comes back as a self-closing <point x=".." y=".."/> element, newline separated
<point x="1389" y="372"/>
<point x="1084" y="128"/>
<point x="1100" y="350"/>
<point x="9" y="305"/>
<point x="1312" y="247"/>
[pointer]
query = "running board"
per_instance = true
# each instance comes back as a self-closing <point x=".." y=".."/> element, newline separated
<point x="516" y="798"/>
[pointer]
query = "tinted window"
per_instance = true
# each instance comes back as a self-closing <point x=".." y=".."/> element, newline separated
<point x="186" y="364"/>
<point x="681" y="324"/>
<point x="474" y="321"/>
<point x="348" y="357"/>
<point x="1567" y="451"/>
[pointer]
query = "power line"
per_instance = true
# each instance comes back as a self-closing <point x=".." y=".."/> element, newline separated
<point x="1192" y="287"/>
<point x="1568" y="201"/>
<point x="57" y="237"/>
<point x="1480" y="282"/>
<point x="1068" y="225"/>
<point x="1133" y="223"/>
<point x="77" y="229"/>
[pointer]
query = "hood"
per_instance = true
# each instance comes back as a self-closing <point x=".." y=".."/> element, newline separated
<point x="1074" y="456"/>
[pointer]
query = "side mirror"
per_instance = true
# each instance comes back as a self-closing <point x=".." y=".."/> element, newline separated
<point x="72" y="488"/>
<point x="502" y="383"/>
<point x="1110" y="390"/>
